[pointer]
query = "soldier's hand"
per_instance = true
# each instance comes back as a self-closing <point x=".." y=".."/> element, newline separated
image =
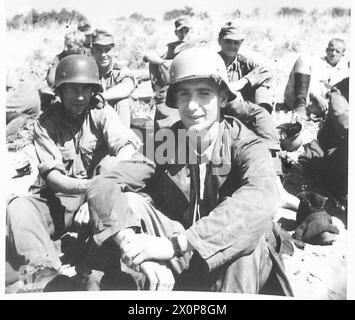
<point x="165" y="64"/>
<point x="158" y="276"/>
<point x="138" y="248"/>
<point x="258" y="76"/>
<point x="82" y="216"/>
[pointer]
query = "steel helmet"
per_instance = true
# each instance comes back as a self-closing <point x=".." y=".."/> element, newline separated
<point x="195" y="63"/>
<point x="77" y="68"/>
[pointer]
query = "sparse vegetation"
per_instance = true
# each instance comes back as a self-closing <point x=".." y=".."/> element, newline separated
<point x="175" y="13"/>
<point x="290" y="12"/>
<point x="340" y="12"/>
<point x="36" y="19"/>
<point x="140" y="18"/>
<point x="276" y="38"/>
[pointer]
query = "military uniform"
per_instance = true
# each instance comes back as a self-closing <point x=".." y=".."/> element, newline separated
<point x="323" y="77"/>
<point x="255" y="92"/>
<point x="74" y="149"/>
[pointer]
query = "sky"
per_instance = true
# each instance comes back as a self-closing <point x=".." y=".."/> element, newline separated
<point x="97" y="10"/>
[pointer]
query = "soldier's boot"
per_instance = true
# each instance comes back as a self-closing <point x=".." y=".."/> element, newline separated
<point x="302" y="81"/>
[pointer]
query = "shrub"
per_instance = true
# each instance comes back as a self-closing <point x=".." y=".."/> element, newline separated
<point x="175" y="13"/>
<point x="339" y="12"/>
<point x="236" y="14"/>
<point x="290" y="12"/>
<point x="140" y="18"/>
<point x="34" y="18"/>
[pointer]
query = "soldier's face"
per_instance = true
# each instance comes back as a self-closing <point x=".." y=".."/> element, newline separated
<point x="76" y="98"/>
<point x="335" y="52"/>
<point x="102" y="55"/>
<point x="74" y="48"/>
<point x="230" y="47"/>
<point x="199" y="102"/>
<point x="182" y="33"/>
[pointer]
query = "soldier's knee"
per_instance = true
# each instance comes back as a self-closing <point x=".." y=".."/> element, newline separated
<point x="18" y="213"/>
<point x="303" y="64"/>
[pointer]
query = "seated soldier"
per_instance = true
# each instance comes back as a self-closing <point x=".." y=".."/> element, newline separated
<point x="85" y="27"/>
<point x="118" y="84"/>
<point x="205" y="222"/>
<point x="159" y="64"/>
<point x="246" y="76"/>
<point x="326" y="158"/>
<point x="71" y="139"/>
<point x="311" y="79"/>
<point x="73" y="44"/>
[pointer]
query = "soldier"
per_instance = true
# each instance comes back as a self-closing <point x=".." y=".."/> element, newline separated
<point x="85" y="27"/>
<point x="73" y="44"/>
<point x="164" y="56"/>
<point x="22" y="98"/>
<point x="205" y="224"/>
<point x="246" y="76"/>
<point x="159" y="64"/>
<point x="71" y="139"/>
<point x="118" y="84"/>
<point x="326" y="158"/>
<point x="311" y="79"/>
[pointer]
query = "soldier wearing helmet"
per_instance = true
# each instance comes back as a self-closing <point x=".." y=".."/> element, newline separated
<point x="205" y="221"/>
<point x="117" y="83"/>
<point x="75" y="139"/>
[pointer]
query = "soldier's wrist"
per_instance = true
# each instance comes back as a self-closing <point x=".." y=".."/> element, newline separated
<point x="179" y="243"/>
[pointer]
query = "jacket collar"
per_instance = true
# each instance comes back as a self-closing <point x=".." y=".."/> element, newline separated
<point x="221" y="153"/>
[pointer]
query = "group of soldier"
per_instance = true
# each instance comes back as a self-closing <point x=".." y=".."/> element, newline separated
<point x="197" y="216"/>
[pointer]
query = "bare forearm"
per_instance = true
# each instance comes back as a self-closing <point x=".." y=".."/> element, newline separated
<point x="120" y="91"/>
<point x="238" y="85"/>
<point x="152" y="57"/>
<point x="58" y="182"/>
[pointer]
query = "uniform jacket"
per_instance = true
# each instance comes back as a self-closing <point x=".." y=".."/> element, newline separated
<point x="76" y="147"/>
<point x="240" y="195"/>
<point x="240" y="68"/>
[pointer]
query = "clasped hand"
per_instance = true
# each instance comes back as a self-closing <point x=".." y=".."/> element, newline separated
<point x="137" y="248"/>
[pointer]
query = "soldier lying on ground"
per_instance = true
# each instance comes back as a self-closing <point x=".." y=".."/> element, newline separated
<point x="22" y="98"/>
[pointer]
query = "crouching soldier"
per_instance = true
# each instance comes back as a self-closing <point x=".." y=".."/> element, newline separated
<point x="71" y="138"/>
<point x="204" y="218"/>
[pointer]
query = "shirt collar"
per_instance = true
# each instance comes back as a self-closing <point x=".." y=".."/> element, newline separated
<point x="234" y="62"/>
<point x="206" y="156"/>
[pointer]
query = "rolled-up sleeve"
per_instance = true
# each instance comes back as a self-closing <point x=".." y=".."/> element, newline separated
<point x="250" y="66"/>
<point x="235" y="227"/>
<point x="125" y="73"/>
<point x="115" y="133"/>
<point x="48" y="154"/>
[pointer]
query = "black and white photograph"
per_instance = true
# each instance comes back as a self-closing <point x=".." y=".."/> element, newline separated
<point x="177" y="147"/>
